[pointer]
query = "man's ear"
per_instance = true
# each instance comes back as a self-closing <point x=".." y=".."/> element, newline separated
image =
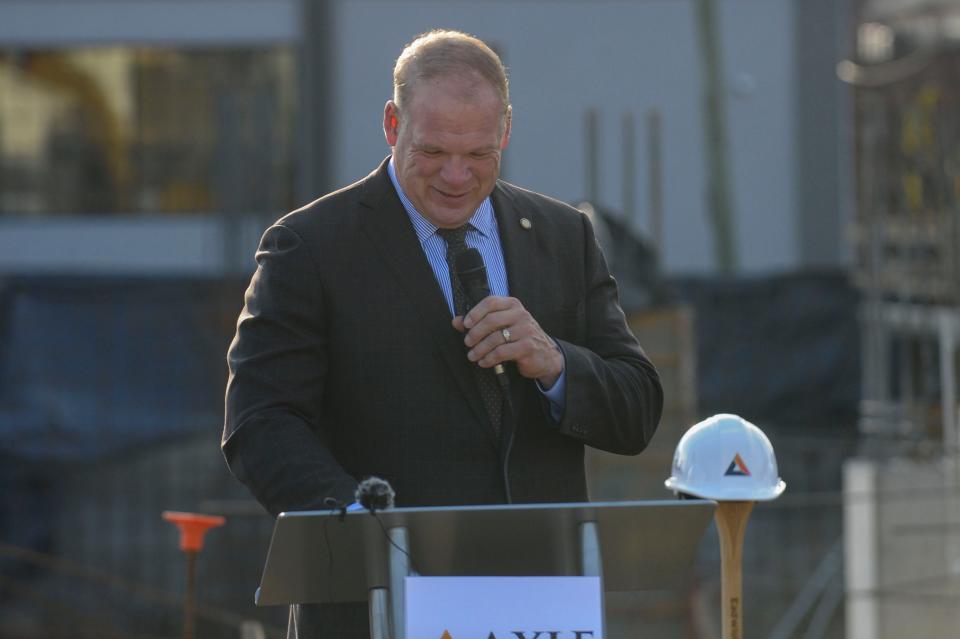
<point x="391" y="123"/>
<point x="505" y="139"/>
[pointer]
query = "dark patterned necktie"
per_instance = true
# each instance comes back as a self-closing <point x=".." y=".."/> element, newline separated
<point x="456" y="240"/>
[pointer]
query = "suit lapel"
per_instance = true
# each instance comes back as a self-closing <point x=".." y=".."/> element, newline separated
<point x="387" y="225"/>
<point x="519" y="243"/>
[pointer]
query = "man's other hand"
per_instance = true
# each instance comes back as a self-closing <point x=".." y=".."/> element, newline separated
<point x="492" y="321"/>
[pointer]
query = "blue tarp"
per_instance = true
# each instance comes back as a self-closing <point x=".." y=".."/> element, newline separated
<point x="781" y="349"/>
<point x="90" y="366"/>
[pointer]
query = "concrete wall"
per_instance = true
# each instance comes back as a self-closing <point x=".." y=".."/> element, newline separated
<point x="785" y="118"/>
<point x="566" y="57"/>
<point x="902" y="549"/>
<point x="134" y="245"/>
<point x="58" y="23"/>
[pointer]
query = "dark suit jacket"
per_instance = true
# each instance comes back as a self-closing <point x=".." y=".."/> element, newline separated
<point x="345" y="363"/>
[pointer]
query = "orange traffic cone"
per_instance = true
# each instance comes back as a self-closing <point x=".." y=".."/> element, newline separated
<point x="192" y="529"/>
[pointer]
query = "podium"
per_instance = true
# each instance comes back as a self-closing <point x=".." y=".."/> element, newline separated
<point x="323" y="556"/>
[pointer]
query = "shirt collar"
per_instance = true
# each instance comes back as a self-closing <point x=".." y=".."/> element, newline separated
<point x="482" y="219"/>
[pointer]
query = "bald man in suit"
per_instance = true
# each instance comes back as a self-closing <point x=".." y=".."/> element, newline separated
<point x="357" y="354"/>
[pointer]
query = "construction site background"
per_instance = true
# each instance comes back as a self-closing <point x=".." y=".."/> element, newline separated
<point x="97" y="445"/>
<point x="782" y="217"/>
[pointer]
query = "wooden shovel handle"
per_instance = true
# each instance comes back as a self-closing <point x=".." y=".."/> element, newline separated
<point x="731" y="518"/>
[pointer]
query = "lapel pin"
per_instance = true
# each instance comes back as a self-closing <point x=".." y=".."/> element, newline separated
<point x="526" y="224"/>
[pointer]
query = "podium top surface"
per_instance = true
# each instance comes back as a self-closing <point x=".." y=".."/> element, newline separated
<point x="321" y="556"/>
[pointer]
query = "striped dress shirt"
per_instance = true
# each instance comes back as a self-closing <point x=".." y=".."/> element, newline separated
<point x="485" y="237"/>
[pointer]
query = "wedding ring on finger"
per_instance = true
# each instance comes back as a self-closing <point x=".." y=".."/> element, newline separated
<point x="506" y="335"/>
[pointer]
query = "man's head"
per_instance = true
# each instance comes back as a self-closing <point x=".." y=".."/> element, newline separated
<point x="448" y="122"/>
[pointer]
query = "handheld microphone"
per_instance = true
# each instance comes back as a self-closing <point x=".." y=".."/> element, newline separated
<point x="375" y="494"/>
<point x="473" y="276"/>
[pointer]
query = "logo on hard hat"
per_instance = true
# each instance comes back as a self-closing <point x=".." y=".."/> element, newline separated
<point x="737" y="468"/>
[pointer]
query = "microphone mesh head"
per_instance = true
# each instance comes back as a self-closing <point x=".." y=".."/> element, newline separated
<point x="375" y="494"/>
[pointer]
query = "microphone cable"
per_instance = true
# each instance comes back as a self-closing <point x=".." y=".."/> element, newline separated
<point x="377" y="494"/>
<point x="340" y="509"/>
<point x="335" y="506"/>
<point x="473" y="275"/>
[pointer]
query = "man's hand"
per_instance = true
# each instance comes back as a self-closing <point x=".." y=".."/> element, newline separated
<point x="487" y="326"/>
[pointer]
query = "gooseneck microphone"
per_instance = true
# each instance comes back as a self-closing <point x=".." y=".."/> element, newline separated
<point x="473" y="276"/>
<point x="375" y="494"/>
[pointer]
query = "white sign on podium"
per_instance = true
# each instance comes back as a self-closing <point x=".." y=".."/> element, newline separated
<point x="504" y="607"/>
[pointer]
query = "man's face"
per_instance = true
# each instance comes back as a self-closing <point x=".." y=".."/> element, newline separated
<point x="446" y="146"/>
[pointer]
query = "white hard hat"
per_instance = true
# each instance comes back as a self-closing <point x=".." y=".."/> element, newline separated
<point x="726" y="458"/>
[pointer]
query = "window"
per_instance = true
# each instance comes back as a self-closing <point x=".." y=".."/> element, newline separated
<point x="121" y="130"/>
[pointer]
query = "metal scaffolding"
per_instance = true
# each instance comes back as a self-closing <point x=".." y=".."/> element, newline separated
<point x="906" y="236"/>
